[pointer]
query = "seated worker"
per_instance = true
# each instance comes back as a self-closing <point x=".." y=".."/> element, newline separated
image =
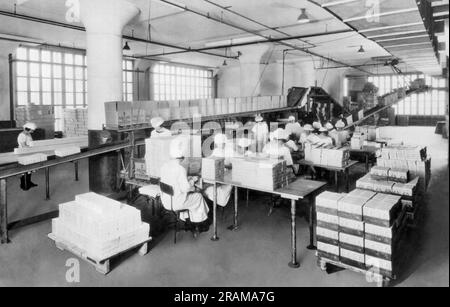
<point x="293" y="128"/>
<point x="278" y="147"/>
<point x="24" y="140"/>
<point x="260" y="132"/>
<point x="342" y="135"/>
<point x="317" y="125"/>
<point x="223" y="190"/>
<point x="331" y="132"/>
<point x="159" y="131"/>
<point x="324" y="138"/>
<point x="185" y="197"/>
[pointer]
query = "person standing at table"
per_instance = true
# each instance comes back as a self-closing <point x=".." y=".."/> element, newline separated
<point x="278" y="147"/>
<point x="261" y="133"/>
<point x="221" y="151"/>
<point x="159" y="131"/>
<point x="24" y="140"/>
<point x="293" y="128"/>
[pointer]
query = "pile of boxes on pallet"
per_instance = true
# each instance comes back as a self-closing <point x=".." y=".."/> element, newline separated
<point x="392" y="174"/>
<point x="42" y="116"/>
<point x="360" y="229"/>
<point x="327" y="155"/>
<point x="157" y="151"/>
<point x="365" y="136"/>
<point x="124" y="114"/>
<point x="261" y="173"/>
<point x="99" y="226"/>
<point x="75" y="122"/>
<point x="407" y="157"/>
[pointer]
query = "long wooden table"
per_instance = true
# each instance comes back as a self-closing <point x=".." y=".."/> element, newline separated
<point x="336" y="170"/>
<point x="298" y="190"/>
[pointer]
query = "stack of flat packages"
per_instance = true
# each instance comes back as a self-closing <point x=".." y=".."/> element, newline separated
<point x="391" y="174"/>
<point x="75" y="122"/>
<point x="327" y="230"/>
<point x="384" y="218"/>
<point x="260" y="173"/>
<point x="68" y="151"/>
<point x="157" y="151"/>
<point x="99" y="226"/>
<point x="411" y="158"/>
<point x="64" y="145"/>
<point x="380" y="171"/>
<point x="213" y="168"/>
<point x="42" y="116"/>
<point x="32" y="159"/>
<point x="351" y="227"/>
<point x="327" y="155"/>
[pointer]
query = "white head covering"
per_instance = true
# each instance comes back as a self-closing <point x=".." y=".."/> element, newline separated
<point x="280" y="134"/>
<point x="259" y="118"/>
<point x="329" y="126"/>
<point x="157" y="122"/>
<point x="271" y="136"/>
<point x="308" y="127"/>
<point x="291" y="118"/>
<point x="340" y="124"/>
<point x="323" y="129"/>
<point x="30" y="126"/>
<point x="220" y="139"/>
<point x="244" y="143"/>
<point x="317" y="125"/>
<point x="176" y="149"/>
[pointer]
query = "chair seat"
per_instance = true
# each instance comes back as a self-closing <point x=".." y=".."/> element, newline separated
<point x="150" y="191"/>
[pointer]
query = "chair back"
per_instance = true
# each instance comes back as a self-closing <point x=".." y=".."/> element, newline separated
<point x="167" y="189"/>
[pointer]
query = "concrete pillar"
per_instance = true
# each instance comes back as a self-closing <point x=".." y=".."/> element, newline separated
<point x="251" y="68"/>
<point x="104" y="21"/>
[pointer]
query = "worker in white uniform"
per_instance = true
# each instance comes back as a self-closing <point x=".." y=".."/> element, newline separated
<point x="317" y="126"/>
<point x="243" y="148"/>
<point x="24" y="140"/>
<point x="185" y="197"/>
<point x="221" y="150"/>
<point x="261" y="133"/>
<point x="325" y="139"/>
<point x="293" y="128"/>
<point x="278" y="148"/>
<point x="332" y="132"/>
<point x="306" y="135"/>
<point x="159" y="131"/>
<point x="340" y="136"/>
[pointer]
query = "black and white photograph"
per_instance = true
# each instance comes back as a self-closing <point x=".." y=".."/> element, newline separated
<point x="224" y="151"/>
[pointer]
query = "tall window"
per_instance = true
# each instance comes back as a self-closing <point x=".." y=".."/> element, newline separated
<point x="57" y="78"/>
<point x="170" y="82"/>
<point x="431" y="103"/>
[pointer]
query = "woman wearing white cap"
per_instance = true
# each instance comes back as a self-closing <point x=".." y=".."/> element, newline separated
<point x="221" y="151"/>
<point x="317" y="126"/>
<point x="24" y="140"/>
<point x="159" y="131"/>
<point x="261" y="133"/>
<point x="324" y="138"/>
<point x="340" y="135"/>
<point x="278" y="147"/>
<point x="294" y="128"/>
<point x="185" y="197"/>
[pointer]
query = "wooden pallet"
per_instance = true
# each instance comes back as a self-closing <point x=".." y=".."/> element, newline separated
<point x="101" y="265"/>
<point x="381" y="281"/>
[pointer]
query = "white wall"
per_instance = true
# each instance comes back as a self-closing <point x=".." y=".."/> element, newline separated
<point x="6" y="48"/>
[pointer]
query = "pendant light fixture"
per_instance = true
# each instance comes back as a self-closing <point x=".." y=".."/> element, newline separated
<point x="303" y="18"/>
<point x="126" y="47"/>
<point x="361" y="50"/>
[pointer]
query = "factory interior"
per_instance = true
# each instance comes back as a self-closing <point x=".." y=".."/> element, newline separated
<point x="224" y="143"/>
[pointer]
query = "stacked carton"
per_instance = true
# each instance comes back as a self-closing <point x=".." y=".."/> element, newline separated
<point x="392" y="174"/>
<point x="327" y="155"/>
<point x="140" y="169"/>
<point x="99" y="226"/>
<point x="32" y="159"/>
<point x="370" y="183"/>
<point x="75" y="122"/>
<point x="213" y="168"/>
<point x="42" y="116"/>
<point x="260" y="173"/>
<point x="68" y="151"/>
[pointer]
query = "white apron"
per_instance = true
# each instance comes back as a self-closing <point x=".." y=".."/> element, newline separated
<point x="175" y="175"/>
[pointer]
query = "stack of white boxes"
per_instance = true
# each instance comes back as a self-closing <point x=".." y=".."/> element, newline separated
<point x="32" y="159"/>
<point x="327" y="155"/>
<point x="327" y="230"/>
<point x="351" y="227"/>
<point x="75" y="122"/>
<point x="99" y="226"/>
<point x="68" y="151"/>
<point x="383" y="217"/>
<point x="392" y="174"/>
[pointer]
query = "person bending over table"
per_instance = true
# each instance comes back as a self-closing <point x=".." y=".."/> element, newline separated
<point x="24" y="141"/>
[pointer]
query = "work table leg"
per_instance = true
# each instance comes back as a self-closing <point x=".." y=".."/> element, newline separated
<point x="3" y="213"/>
<point x="235" y="225"/>
<point x="76" y="171"/>
<point x="294" y="264"/>
<point x="47" y="183"/>
<point x="312" y="217"/>
<point x="215" y="237"/>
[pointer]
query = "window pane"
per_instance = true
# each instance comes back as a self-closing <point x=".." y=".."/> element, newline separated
<point x="22" y="98"/>
<point x="79" y="99"/>
<point x="22" y="54"/>
<point x="46" y="70"/>
<point x="46" y="56"/>
<point x="57" y="71"/>
<point x="57" y="57"/>
<point x="47" y="98"/>
<point x="58" y="98"/>
<point x="68" y="59"/>
<point x="69" y="86"/>
<point x="130" y="65"/>
<point x="34" y="70"/>
<point x="69" y="99"/>
<point x="421" y="103"/>
<point x="34" y="55"/>
<point x="69" y="72"/>
<point x="22" y="69"/>
<point x="79" y="74"/>
<point x="57" y="85"/>
<point x="35" y="98"/>
<point x="441" y="102"/>
<point x="22" y="84"/>
<point x="79" y="86"/>
<point x="35" y="85"/>
<point x="79" y="60"/>
<point x="46" y="85"/>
